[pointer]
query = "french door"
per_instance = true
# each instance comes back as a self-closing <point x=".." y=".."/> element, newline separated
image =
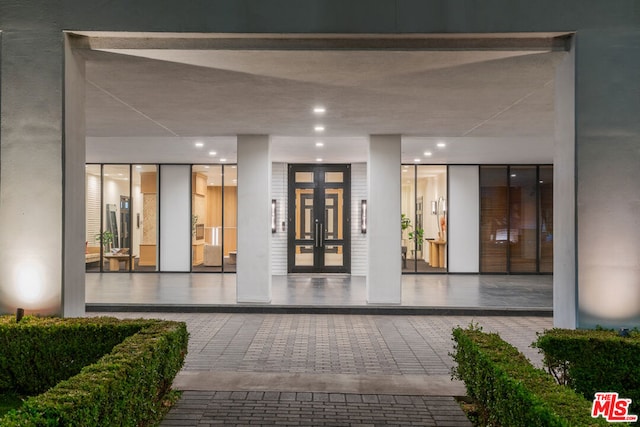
<point x="319" y="219"/>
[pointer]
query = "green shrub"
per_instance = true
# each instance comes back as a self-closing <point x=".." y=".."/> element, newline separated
<point x="125" y="387"/>
<point x="37" y="353"/>
<point x="613" y="362"/>
<point x="513" y="392"/>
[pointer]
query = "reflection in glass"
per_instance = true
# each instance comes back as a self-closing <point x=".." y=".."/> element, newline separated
<point x="545" y="186"/>
<point x="523" y="217"/>
<point x="494" y="225"/>
<point x="145" y="222"/>
<point x="424" y="225"/>
<point x="93" y="207"/>
<point x="116" y="224"/>
<point x="230" y="218"/>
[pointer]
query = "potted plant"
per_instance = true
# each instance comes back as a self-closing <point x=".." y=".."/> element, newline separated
<point x="416" y="235"/>
<point x="105" y="238"/>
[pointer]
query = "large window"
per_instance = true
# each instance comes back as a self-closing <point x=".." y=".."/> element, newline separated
<point x="214" y="218"/>
<point x="424" y="218"/>
<point x="516" y="219"/>
<point x="122" y="218"/>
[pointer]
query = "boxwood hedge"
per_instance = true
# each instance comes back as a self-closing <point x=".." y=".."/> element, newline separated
<point x="513" y="392"/>
<point x="613" y="362"/>
<point x="128" y="369"/>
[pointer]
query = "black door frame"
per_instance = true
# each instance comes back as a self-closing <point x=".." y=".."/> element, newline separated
<point x="319" y="208"/>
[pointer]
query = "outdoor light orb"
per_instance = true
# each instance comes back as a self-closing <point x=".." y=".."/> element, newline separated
<point x="610" y="293"/>
<point x="31" y="289"/>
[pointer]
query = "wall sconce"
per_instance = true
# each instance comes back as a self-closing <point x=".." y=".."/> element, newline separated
<point x="274" y="211"/>
<point x="363" y="216"/>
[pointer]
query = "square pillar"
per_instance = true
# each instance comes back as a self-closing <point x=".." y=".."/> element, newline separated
<point x="384" y="272"/>
<point x="565" y="295"/>
<point x="607" y="105"/>
<point x="42" y="169"/>
<point x="253" y="277"/>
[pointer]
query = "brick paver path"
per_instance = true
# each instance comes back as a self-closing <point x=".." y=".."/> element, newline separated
<point x="348" y="347"/>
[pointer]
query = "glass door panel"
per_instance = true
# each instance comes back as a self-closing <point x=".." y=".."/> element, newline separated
<point x="319" y="217"/>
<point x="333" y="226"/>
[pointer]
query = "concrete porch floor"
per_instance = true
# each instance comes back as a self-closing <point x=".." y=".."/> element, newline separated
<point x="443" y="293"/>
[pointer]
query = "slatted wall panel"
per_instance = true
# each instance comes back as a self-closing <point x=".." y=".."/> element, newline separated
<point x="279" y="238"/>
<point x="358" y="240"/>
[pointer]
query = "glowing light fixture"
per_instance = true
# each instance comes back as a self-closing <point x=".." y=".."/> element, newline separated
<point x="319" y="128"/>
<point x="319" y="144"/>
<point x="199" y="144"/>
<point x="274" y="212"/>
<point x="319" y="110"/>
<point x="363" y="216"/>
<point x="416" y="160"/>
<point x="441" y="145"/>
<point x="212" y="153"/>
<point x="428" y="153"/>
<point x="223" y="160"/>
<point x="318" y="159"/>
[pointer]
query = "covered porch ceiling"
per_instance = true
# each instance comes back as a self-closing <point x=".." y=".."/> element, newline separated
<point x="489" y="98"/>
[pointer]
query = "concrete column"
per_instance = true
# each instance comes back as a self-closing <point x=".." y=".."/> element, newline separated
<point x="608" y="177"/>
<point x="565" y="302"/>
<point x="32" y="182"/>
<point x="384" y="272"/>
<point x="73" y="278"/>
<point x="253" y="276"/>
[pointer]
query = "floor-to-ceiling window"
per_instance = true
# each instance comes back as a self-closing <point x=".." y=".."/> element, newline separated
<point x="122" y="218"/>
<point x="214" y="218"/>
<point x="516" y="219"/>
<point x="424" y="218"/>
<point x="145" y="219"/>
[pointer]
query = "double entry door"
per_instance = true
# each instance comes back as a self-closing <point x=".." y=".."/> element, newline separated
<point x="319" y="219"/>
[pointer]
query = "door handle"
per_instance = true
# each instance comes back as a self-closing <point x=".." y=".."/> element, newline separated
<point x="317" y="242"/>
<point x="321" y="235"/>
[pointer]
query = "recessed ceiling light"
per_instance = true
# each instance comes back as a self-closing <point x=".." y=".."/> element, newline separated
<point x="138" y="167"/>
<point x="199" y="144"/>
<point x="541" y="182"/>
<point x="319" y="110"/>
<point x="441" y="145"/>
<point x="223" y="160"/>
<point x="318" y="159"/>
<point x="206" y="167"/>
<point x="212" y="153"/>
<point x="319" y="144"/>
<point x="404" y="170"/>
<point x="319" y="128"/>
<point x="416" y="160"/>
<point x="513" y="175"/>
<point x="233" y="167"/>
<point x="427" y="153"/>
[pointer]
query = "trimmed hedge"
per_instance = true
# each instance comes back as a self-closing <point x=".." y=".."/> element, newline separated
<point x="513" y="392"/>
<point x="613" y="363"/>
<point x="37" y="353"/>
<point x="125" y="387"/>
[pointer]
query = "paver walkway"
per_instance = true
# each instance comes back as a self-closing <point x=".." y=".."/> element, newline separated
<point x="310" y="369"/>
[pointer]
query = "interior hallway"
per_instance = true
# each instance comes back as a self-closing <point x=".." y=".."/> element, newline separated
<point x="174" y="290"/>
